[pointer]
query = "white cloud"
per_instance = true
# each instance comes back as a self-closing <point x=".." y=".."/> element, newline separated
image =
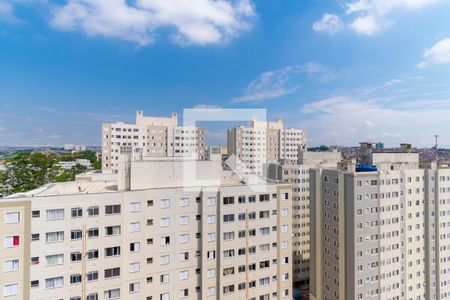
<point x="438" y="54"/>
<point x="367" y="17"/>
<point x="7" y="11"/>
<point x="194" y="22"/>
<point x="54" y="136"/>
<point x="281" y="82"/>
<point x="349" y="121"/>
<point x="329" y="24"/>
<point x="3" y="129"/>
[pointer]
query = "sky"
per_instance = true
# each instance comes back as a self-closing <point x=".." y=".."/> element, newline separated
<point x="346" y="71"/>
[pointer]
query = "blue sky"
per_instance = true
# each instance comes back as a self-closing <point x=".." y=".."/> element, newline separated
<point x="346" y="71"/>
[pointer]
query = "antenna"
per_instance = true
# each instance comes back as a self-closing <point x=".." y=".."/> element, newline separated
<point x="436" y="145"/>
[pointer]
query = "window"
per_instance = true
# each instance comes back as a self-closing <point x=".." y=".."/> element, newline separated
<point x="184" y="256"/>
<point x="92" y="296"/>
<point x="164" y="259"/>
<point x="228" y="289"/>
<point x="12" y="217"/>
<point x="112" y="251"/>
<point x="241" y="199"/>
<point x="134" y="287"/>
<point x="211" y="291"/>
<point x="75" y="298"/>
<point x="264" y="198"/>
<point x="184" y="293"/>
<point x="228" y="236"/>
<point x="211" y="219"/>
<point x="165" y="222"/>
<point x="211" y="201"/>
<point x="135" y="206"/>
<point x="74" y="279"/>
<point x="34" y="283"/>
<point x="112" y="230"/>
<point x="76" y="212"/>
<point x="93" y="232"/>
<point x="164" y="278"/>
<point x="284" y="212"/>
<point x="75" y="256"/>
<point x="264" y="281"/>
<point x="228" y="200"/>
<point x="184" y="220"/>
<point x="165" y="240"/>
<point x="92" y="276"/>
<point x="93" y="211"/>
<point x="36" y="214"/>
<point x="149" y="202"/>
<point x="184" y="202"/>
<point x="164" y="296"/>
<point x="12" y="241"/>
<point x="11" y="290"/>
<point x="264" y="231"/>
<point x="252" y="199"/>
<point x="211" y="273"/>
<point x="228" y="253"/>
<point x="114" y="272"/>
<point x="53" y="260"/>
<point x="211" y="254"/>
<point x="135" y="247"/>
<point x="92" y="254"/>
<point x="75" y="234"/>
<point x="35" y="260"/>
<point x="55" y="282"/>
<point x="285" y="228"/>
<point x="228" y="218"/>
<point x="184" y="275"/>
<point x="11" y="265"/>
<point x="112" y="294"/>
<point x="135" y="267"/>
<point x="211" y="237"/>
<point x="165" y="203"/>
<point x="112" y="209"/>
<point x="135" y="226"/>
<point x="55" y="214"/>
<point x="184" y="238"/>
<point x="52" y="237"/>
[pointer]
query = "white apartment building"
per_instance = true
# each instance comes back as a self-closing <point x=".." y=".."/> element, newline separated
<point x="256" y="146"/>
<point x="380" y="229"/>
<point x="297" y="174"/>
<point x="148" y="232"/>
<point x="150" y="137"/>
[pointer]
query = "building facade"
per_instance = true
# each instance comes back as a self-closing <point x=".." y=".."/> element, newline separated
<point x="150" y="137"/>
<point x="297" y="174"/>
<point x="262" y="143"/>
<point x="379" y="229"/>
<point x="148" y="233"/>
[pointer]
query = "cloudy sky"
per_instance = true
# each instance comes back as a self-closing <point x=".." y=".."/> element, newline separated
<point x="345" y="70"/>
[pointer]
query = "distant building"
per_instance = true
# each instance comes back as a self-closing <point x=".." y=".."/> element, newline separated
<point x="379" y="146"/>
<point x="66" y="165"/>
<point x="262" y="143"/>
<point x="74" y="148"/>
<point x="150" y="137"/>
<point x="216" y="153"/>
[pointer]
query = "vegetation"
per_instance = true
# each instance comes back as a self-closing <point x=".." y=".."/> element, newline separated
<point x="26" y="171"/>
<point x="319" y="149"/>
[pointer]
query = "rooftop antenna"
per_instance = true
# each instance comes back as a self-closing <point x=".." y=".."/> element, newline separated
<point x="436" y="145"/>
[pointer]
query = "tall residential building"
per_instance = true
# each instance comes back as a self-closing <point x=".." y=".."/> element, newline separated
<point x="150" y="137"/>
<point x="263" y="142"/>
<point x="148" y="232"/>
<point x="297" y="174"/>
<point x="380" y="229"/>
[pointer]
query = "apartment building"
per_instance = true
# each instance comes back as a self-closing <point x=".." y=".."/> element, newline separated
<point x="150" y="137"/>
<point x="380" y="229"/>
<point x="151" y="231"/>
<point x="263" y="142"/>
<point x="297" y="174"/>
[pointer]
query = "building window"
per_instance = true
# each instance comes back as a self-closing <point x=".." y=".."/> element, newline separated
<point x="52" y="237"/>
<point x="11" y="290"/>
<point x="74" y="279"/>
<point x="114" y="272"/>
<point x="135" y="206"/>
<point x="112" y="230"/>
<point x="184" y="238"/>
<point x="12" y="218"/>
<point x="112" y="209"/>
<point x="12" y="241"/>
<point x="75" y="256"/>
<point x="184" y="202"/>
<point x="112" y="251"/>
<point x="53" y="260"/>
<point x="164" y="259"/>
<point x="93" y="211"/>
<point x="112" y="294"/>
<point x="34" y="283"/>
<point x="55" y="214"/>
<point x="134" y="287"/>
<point x="164" y="278"/>
<point x="92" y="276"/>
<point x="92" y="296"/>
<point x="75" y="234"/>
<point x="11" y="265"/>
<point x="76" y="212"/>
<point x="55" y="282"/>
<point x="165" y="222"/>
<point x="92" y="254"/>
<point x="135" y="267"/>
<point x="135" y="226"/>
<point x="135" y="247"/>
<point x="165" y="203"/>
<point x="211" y="219"/>
<point x="36" y="214"/>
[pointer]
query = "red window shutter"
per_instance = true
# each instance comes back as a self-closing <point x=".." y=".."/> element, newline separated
<point x="16" y="240"/>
